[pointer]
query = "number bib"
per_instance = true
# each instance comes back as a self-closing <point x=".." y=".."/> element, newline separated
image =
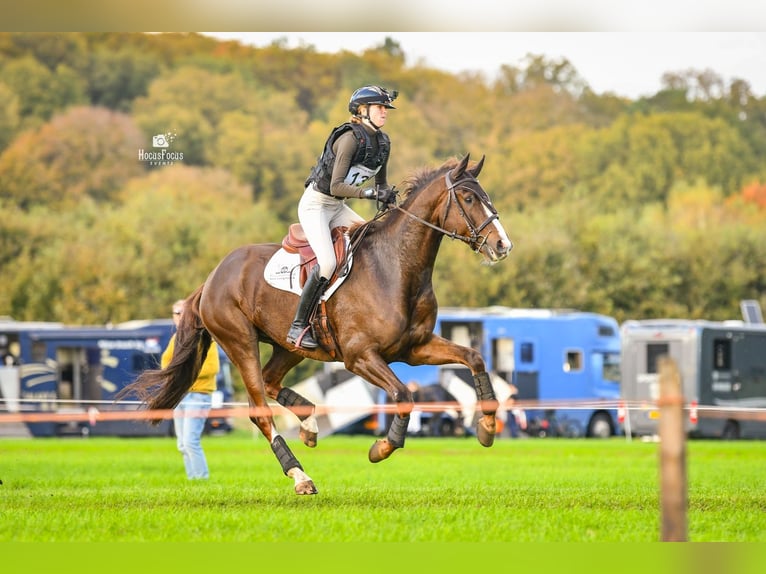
<point x="358" y="174"/>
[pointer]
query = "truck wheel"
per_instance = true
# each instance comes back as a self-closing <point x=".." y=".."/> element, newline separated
<point x="600" y="426"/>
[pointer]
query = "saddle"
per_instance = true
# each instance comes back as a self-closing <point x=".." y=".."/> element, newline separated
<point x="295" y="242"/>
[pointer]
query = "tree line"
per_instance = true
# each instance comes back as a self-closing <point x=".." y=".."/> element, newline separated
<point x="643" y="208"/>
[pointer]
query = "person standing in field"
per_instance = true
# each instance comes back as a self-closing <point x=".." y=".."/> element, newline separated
<point x="190" y="415"/>
<point x="517" y="418"/>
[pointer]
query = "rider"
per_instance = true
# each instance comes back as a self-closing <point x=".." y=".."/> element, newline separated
<point x="353" y="164"/>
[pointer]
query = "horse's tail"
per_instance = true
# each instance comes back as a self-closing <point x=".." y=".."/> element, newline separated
<point x="164" y="388"/>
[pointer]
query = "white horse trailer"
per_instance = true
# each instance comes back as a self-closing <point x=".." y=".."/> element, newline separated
<point x="723" y="375"/>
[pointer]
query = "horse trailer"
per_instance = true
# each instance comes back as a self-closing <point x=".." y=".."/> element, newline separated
<point x="564" y="365"/>
<point x="75" y="373"/>
<point x="722" y="366"/>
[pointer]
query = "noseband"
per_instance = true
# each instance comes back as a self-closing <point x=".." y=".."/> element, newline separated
<point x="475" y="240"/>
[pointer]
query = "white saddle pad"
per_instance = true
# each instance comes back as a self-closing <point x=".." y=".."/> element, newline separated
<point x="283" y="272"/>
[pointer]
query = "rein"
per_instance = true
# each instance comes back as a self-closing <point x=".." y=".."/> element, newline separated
<point x="475" y="240"/>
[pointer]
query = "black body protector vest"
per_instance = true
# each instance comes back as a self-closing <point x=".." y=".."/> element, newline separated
<point x="369" y="158"/>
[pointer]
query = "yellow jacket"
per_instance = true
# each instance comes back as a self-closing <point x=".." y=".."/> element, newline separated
<point x="205" y="382"/>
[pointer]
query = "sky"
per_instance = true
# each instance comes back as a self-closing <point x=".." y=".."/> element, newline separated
<point x="628" y="64"/>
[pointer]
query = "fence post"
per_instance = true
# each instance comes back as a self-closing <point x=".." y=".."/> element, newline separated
<point x="673" y="493"/>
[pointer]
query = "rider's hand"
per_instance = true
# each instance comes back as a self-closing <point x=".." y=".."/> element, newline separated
<point x="383" y="194"/>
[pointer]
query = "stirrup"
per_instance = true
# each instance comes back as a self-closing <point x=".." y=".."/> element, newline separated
<point x="304" y="339"/>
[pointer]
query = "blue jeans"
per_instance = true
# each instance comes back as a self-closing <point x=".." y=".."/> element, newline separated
<point x="189" y="420"/>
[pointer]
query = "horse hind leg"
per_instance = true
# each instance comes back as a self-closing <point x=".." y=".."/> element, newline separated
<point x="239" y="337"/>
<point x="274" y="372"/>
<point x="249" y="364"/>
<point x="263" y="419"/>
<point x="291" y="467"/>
<point x="486" y="426"/>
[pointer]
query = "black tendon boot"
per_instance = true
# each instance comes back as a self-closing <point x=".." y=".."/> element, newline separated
<point x="312" y="291"/>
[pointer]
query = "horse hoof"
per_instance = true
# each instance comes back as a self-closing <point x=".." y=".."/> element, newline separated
<point x="381" y="450"/>
<point x="486" y="430"/>
<point x="309" y="438"/>
<point x="306" y="487"/>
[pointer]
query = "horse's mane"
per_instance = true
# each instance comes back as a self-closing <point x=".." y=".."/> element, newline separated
<point x="425" y="175"/>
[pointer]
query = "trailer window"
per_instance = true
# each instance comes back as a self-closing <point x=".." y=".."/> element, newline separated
<point x="612" y="367"/>
<point x="653" y="353"/>
<point x="573" y="361"/>
<point x="527" y="353"/>
<point x="502" y="355"/>
<point x="721" y="354"/>
<point x="468" y="334"/>
<point x="605" y="331"/>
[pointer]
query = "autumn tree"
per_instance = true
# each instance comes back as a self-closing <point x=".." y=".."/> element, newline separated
<point x="9" y="115"/>
<point x="83" y="152"/>
<point x="42" y="92"/>
<point x="636" y="209"/>
<point x="116" y="78"/>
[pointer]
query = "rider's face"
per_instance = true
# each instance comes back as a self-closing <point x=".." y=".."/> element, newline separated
<point x="378" y="114"/>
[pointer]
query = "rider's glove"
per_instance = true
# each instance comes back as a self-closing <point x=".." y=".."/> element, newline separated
<point x="383" y="194"/>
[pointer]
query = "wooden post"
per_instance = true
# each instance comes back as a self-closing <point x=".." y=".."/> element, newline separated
<point x="673" y="499"/>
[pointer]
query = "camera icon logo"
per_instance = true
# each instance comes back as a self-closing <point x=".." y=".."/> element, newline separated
<point x="160" y="140"/>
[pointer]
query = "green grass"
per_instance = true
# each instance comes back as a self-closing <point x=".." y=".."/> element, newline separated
<point x="434" y="490"/>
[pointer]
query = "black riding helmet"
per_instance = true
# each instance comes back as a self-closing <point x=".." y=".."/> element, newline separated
<point x="371" y="95"/>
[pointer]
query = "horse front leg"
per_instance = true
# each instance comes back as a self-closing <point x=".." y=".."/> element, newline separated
<point x="372" y="368"/>
<point x="397" y="432"/>
<point x="440" y="351"/>
<point x="486" y="426"/>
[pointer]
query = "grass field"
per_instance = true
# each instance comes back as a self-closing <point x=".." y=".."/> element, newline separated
<point x="434" y="490"/>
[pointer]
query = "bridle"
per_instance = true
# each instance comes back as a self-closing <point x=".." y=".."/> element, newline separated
<point x="475" y="240"/>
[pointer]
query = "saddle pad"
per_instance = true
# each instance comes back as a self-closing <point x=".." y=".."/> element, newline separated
<point x="283" y="272"/>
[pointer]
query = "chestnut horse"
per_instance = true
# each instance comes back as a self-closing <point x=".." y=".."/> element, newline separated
<point x="385" y="312"/>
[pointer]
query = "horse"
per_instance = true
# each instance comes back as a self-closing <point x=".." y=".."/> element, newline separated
<point x="384" y="312"/>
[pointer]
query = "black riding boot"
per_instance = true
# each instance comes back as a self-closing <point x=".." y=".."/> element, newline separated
<point x="312" y="291"/>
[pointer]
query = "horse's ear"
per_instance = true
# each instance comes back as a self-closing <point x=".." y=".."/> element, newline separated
<point x="476" y="170"/>
<point x="459" y="170"/>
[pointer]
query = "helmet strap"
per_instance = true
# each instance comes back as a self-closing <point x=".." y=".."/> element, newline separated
<point x="367" y="117"/>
